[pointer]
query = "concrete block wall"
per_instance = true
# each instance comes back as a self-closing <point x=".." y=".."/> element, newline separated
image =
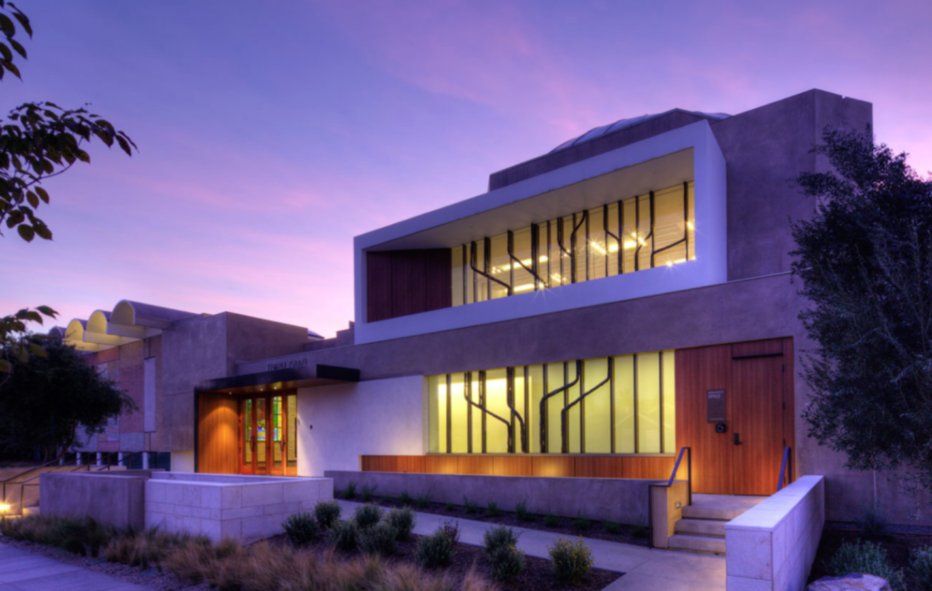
<point x="772" y="546"/>
<point x="113" y="498"/>
<point x="611" y="499"/>
<point x="245" y="508"/>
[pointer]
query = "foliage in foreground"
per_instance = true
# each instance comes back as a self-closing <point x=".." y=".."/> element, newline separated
<point x="301" y="529"/>
<point x="865" y="557"/>
<point x="865" y="260"/>
<point x="920" y="566"/>
<point x="229" y="565"/>
<point x="436" y="550"/>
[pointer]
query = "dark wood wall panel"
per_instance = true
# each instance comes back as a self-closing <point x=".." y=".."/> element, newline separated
<point x="405" y="282"/>
<point x="216" y="434"/>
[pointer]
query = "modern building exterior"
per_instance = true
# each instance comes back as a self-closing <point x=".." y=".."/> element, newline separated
<point x="601" y="307"/>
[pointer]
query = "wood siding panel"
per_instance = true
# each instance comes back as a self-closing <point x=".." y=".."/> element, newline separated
<point x="651" y="467"/>
<point x="405" y="282"/>
<point x="757" y="384"/>
<point x="217" y="428"/>
<point x="697" y="371"/>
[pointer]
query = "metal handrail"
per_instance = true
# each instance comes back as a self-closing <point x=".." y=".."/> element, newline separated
<point x="786" y="468"/>
<point x="689" y="472"/>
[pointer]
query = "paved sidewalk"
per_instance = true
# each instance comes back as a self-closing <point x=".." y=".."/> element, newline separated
<point x="646" y="569"/>
<point x="24" y="571"/>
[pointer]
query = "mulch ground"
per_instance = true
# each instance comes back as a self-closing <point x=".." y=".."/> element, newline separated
<point x="602" y="530"/>
<point x="897" y="545"/>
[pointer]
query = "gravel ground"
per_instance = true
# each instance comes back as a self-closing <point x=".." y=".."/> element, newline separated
<point x="149" y="578"/>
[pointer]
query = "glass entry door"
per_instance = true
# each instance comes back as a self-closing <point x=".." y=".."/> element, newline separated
<point x="268" y="434"/>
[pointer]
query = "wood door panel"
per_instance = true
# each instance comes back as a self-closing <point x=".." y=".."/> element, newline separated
<point x="217" y="428"/>
<point x="697" y="371"/>
<point x="757" y="408"/>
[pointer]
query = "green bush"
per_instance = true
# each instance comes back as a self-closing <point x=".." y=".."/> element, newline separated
<point x="581" y="523"/>
<point x="301" y="529"/>
<point x="350" y="491"/>
<point x="344" y="535"/>
<point x="368" y="492"/>
<point x="506" y="563"/>
<point x="405" y="499"/>
<point x="522" y="513"/>
<point x="367" y="516"/>
<point x="492" y="509"/>
<point x="571" y="560"/>
<point x="551" y="521"/>
<point x="864" y="557"/>
<point x="327" y="513"/>
<point x="498" y="537"/>
<point x="79" y="536"/>
<point x="471" y="507"/>
<point x="402" y="520"/>
<point x="378" y="539"/>
<point x="611" y="527"/>
<point x="920" y="566"/>
<point x="422" y="501"/>
<point x="436" y="550"/>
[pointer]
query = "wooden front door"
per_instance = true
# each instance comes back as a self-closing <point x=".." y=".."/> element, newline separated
<point x="267" y="434"/>
<point x="752" y="382"/>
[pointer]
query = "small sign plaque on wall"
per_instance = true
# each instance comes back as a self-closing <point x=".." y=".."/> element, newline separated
<point x="715" y="406"/>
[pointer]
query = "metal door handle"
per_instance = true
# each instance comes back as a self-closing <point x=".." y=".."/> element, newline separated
<point x="737" y="438"/>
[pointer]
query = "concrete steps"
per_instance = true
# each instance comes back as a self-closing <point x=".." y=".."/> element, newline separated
<point x="701" y="527"/>
<point x="697" y="543"/>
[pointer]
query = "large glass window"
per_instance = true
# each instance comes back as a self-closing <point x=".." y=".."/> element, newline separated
<point x="621" y="404"/>
<point x="632" y="234"/>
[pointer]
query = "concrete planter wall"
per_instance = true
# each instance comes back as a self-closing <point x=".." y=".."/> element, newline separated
<point x="244" y="508"/>
<point x="621" y="500"/>
<point x="772" y="546"/>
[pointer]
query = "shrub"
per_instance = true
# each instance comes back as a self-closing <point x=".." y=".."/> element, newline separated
<point x="367" y="516"/>
<point x="327" y="513"/>
<point x="498" y="537"/>
<point x="471" y="507"/>
<point x="143" y="549"/>
<point x="344" y="535"/>
<point x="571" y="560"/>
<point x="506" y="563"/>
<point x="368" y="492"/>
<point x="873" y="525"/>
<point x="581" y="523"/>
<point x="920" y="566"/>
<point x="492" y="509"/>
<point x="402" y="520"/>
<point x="378" y="539"/>
<point x="301" y="529"/>
<point x="612" y="527"/>
<point x="522" y="513"/>
<point x="405" y="499"/>
<point x="78" y="536"/>
<point x="551" y="521"/>
<point x="436" y="550"/>
<point x="864" y="557"/>
<point x="422" y="501"/>
<point x="350" y="491"/>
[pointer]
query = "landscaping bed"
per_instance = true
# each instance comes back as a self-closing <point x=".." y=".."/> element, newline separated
<point x="898" y="548"/>
<point x="580" y="526"/>
<point x="369" y="550"/>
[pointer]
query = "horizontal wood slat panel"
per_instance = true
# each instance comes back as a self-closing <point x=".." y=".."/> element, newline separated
<point x="650" y="467"/>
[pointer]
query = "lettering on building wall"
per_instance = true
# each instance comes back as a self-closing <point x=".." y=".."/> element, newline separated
<point x="290" y="364"/>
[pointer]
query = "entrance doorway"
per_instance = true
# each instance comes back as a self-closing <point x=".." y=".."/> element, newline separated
<point x="268" y="437"/>
<point x="734" y="409"/>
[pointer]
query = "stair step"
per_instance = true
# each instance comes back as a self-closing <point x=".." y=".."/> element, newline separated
<point x="706" y="527"/>
<point x="695" y="543"/>
<point x="712" y="512"/>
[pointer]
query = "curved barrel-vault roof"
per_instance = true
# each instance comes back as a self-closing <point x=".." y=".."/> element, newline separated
<point x="129" y="321"/>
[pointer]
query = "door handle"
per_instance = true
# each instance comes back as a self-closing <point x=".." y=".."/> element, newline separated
<point x="737" y="438"/>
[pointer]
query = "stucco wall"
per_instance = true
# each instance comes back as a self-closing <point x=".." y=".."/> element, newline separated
<point x="337" y="424"/>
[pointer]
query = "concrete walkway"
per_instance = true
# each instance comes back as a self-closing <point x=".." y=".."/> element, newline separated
<point x="646" y="569"/>
<point x="24" y="571"/>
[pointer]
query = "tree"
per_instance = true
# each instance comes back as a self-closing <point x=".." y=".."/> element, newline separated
<point x="38" y="140"/>
<point x="47" y="398"/>
<point x="865" y="260"/>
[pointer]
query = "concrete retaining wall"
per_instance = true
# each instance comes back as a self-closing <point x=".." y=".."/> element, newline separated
<point x="245" y="508"/>
<point x="772" y="546"/>
<point x="622" y="500"/>
<point x="116" y="498"/>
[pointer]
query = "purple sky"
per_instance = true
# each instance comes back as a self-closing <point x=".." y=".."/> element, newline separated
<point x="272" y="133"/>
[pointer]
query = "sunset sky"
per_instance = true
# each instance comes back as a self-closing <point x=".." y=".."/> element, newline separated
<point x="271" y="133"/>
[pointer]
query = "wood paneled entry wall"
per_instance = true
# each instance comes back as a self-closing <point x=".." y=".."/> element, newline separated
<point x="734" y="408"/>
